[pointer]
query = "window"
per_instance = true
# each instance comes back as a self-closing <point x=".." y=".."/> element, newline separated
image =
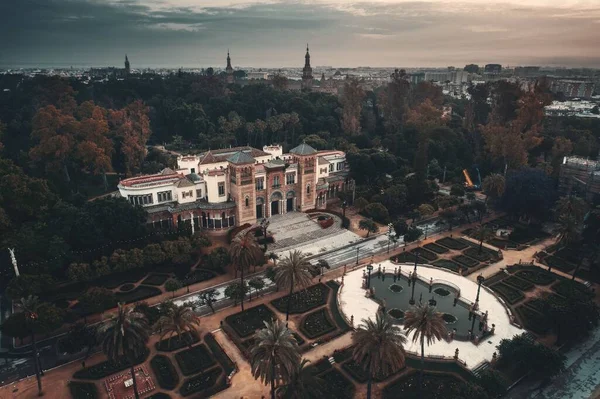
<point x="247" y="202"/>
<point x="290" y="178"/>
<point x="164" y="196"/>
<point x="193" y="170"/>
<point x="221" y="189"/>
<point x="308" y="189"/>
<point x="340" y="166"/>
<point x="331" y="167"/>
<point x="260" y="183"/>
<point x="199" y="193"/>
<point x="141" y="199"/>
<point x="276" y="182"/>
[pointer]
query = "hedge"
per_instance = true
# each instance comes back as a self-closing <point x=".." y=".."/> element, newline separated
<point x="465" y="261"/>
<point x="338" y="386"/>
<point x="540" y="277"/>
<point x="166" y="375"/>
<point x="194" y="360"/>
<point x="176" y="342"/>
<point x="139" y="294"/>
<point x="156" y="279"/>
<point x="438" y="249"/>
<point x="303" y="301"/>
<point x="317" y="324"/>
<point x="106" y="368"/>
<point x="219" y="353"/>
<point x="451" y="243"/>
<point x="335" y="311"/>
<point x="83" y="390"/>
<point x="533" y="320"/>
<point x="559" y="263"/>
<point x="247" y="322"/>
<point x="446" y="264"/>
<point x="475" y="254"/>
<point x="516" y="282"/>
<point x="423" y="253"/>
<point x="511" y="295"/>
<point x="201" y="382"/>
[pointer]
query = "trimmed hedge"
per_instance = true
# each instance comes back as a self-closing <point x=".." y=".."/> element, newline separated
<point x="465" y="261"/>
<point x="423" y="253"/>
<point x="438" y="249"/>
<point x="83" y="390"/>
<point x="539" y="277"/>
<point x="316" y="324"/>
<point x="511" y="295"/>
<point x="247" y="322"/>
<point x="495" y="278"/>
<point x="298" y="338"/>
<point x="303" y="301"/>
<point x="572" y="289"/>
<point x="451" y="243"/>
<point x="558" y="263"/>
<point x="201" y="382"/>
<point x="333" y="305"/>
<point x="176" y="342"/>
<point x="106" y="368"/>
<point x="516" y="282"/>
<point x="126" y="287"/>
<point x="166" y="375"/>
<point x="446" y="264"/>
<point x="194" y="360"/>
<point x="139" y="294"/>
<point x="534" y="321"/>
<point x="219" y="353"/>
<point x="156" y="279"/>
<point x="338" y="386"/>
<point x="475" y="254"/>
<point x="342" y="355"/>
<point x="408" y="257"/>
<point x="198" y="276"/>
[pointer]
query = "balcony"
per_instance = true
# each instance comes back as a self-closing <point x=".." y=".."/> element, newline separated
<point x="276" y="186"/>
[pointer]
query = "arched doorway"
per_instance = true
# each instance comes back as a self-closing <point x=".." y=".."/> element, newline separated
<point x="276" y="200"/>
<point x="260" y="205"/>
<point x="289" y="202"/>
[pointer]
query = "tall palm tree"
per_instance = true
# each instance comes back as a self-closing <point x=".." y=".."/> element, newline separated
<point x="303" y="384"/>
<point x="275" y="355"/>
<point x="494" y="186"/>
<point x="178" y="321"/>
<point x="426" y="324"/>
<point x="31" y="308"/>
<point x="245" y="252"/>
<point x="482" y="233"/>
<point x="293" y="270"/>
<point x="125" y="335"/>
<point x="570" y="206"/>
<point x="569" y="230"/>
<point x="379" y="346"/>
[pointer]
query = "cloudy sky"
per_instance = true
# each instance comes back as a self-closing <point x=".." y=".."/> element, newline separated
<point x="399" y="33"/>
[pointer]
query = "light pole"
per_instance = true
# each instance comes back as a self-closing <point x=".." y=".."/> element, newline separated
<point x="390" y="228"/>
<point x="357" y="255"/>
<point x="344" y="205"/>
<point x="369" y="269"/>
<point x="414" y="278"/>
<point x="480" y="280"/>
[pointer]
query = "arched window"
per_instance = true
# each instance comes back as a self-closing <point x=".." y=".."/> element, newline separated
<point x="223" y="215"/>
<point x="308" y="189"/>
<point x="247" y="201"/>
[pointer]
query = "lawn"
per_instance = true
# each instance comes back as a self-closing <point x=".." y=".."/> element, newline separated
<point x="194" y="360"/>
<point x="446" y="264"/>
<point x="303" y="301"/>
<point x="438" y="249"/>
<point x="317" y="323"/>
<point x="510" y="294"/>
<point x="247" y="322"/>
<point x="452" y="243"/>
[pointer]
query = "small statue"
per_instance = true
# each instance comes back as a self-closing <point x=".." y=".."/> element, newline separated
<point x="456" y="354"/>
<point x="352" y="320"/>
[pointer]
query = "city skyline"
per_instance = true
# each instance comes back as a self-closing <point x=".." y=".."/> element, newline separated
<point x="380" y="33"/>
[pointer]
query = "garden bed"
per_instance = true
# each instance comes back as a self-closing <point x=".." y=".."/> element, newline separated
<point x="423" y="253"/>
<point x="108" y="367"/>
<point x="156" y="279"/>
<point x="435" y="386"/>
<point x="338" y="386"/>
<point x="194" y="360"/>
<point x="536" y="304"/>
<point x="511" y="295"/>
<point x="126" y="287"/>
<point x="219" y="354"/>
<point x="316" y="324"/>
<point x="539" y="277"/>
<point x="502" y="244"/>
<point x="475" y="254"/>
<point x="558" y="263"/>
<point x="438" y="249"/>
<point x="407" y="257"/>
<point x="166" y="375"/>
<point x="333" y="306"/>
<point x="140" y="293"/>
<point x="447" y="264"/>
<point x="465" y="261"/>
<point x="533" y="320"/>
<point x="572" y="289"/>
<point x="176" y="342"/>
<point x="201" y="382"/>
<point x="114" y="280"/>
<point x="495" y="278"/>
<point x="247" y="322"/>
<point x="522" y="285"/>
<point x="321" y="366"/>
<point x="83" y="390"/>
<point x="303" y="301"/>
<point x="396" y="313"/>
<point x="441" y="291"/>
<point x="452" y="243"/>
<point x="343" y="354"/>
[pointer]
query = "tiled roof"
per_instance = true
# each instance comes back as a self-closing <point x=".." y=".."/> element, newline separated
<point x="303" y="149"/>
<point x="323" y="161"/>
<point x="194" y="177"/>
<point x="214" y="156"/>
<point x="151" y="180"/>
<point x="240" y="158"/>
<point x="208" y="158"/>
<point x="184" y="183"/>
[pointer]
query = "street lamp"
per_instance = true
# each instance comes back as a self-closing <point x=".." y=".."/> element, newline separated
<point x="417" y="253"/>
<point x="344" y="205"/>
<point x="357" y="255"/>
<point x="414" y="278"/>
<point x="369" y="269"/>
<point x="480" y="280"/>
<point x="390" y="228"/>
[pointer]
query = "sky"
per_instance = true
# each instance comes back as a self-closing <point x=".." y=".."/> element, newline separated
<point x="274" y="33"/>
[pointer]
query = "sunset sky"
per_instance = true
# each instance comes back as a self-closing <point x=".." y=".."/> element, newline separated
<point x="273" y="33"/>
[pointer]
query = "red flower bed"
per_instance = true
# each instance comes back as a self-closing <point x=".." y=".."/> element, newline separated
<point x="326" y="223"/>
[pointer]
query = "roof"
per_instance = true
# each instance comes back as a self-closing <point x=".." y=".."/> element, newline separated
<point x="194" y="177"/>
<point x="158" y="179"/>
<point x="208" y="158"/>
<point x="303" y="149"/>
<point x="184" y="183"/>
<point x="222" y="155"/>
<point x="323" y="161"/>
<point x="240" y="157"/>
<point x="167" y="171"/>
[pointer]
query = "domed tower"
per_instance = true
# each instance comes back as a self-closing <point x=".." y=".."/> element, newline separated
<point x="307" y="77"/>
<point x="306" y="158"/>
<point x="229" y="69"/>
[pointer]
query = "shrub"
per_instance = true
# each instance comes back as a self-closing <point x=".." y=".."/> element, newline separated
<point x="303" y="301"/>
<point x="177" y="342"/>
<point x="317" y="324"/>
<point x="201" y="382"/>
<point x="558" y="263"/>
<point x="106" y="368"/>
<point x="194" y="360"/>
<point x="532" y="320"/>
<point x="233" y="232"/>
<point x="247" y="322"/>
<point x="540" y="277"/>
<point x="83" y="390"/>
<point x="333" y="305"/>
<point x="140" y="293"/>
<point x="198" y="276"/>
<point x="166" y="374"/>
<point x="219" y="353"/>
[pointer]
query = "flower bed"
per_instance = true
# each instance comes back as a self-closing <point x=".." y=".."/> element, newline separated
<point x="438" y="249"/>
<point x="219" y="354"/>
<point x="156" y="279"/>
<point x="435" y="386"/>
<point x="423" y="253"/>
<point x="338" y="386"/>
<point x="194" y="360"/>
<point x="446" y="264"/>
<point x="507" y="292"/>
<point x="247" y="322"/>
<point x="200" y="382"/>
<point x="395" y="288"/>
<point x="465" y="261"/>
<point x="83" y="390"/>
<point x="475" y="254"/>
<point x="396" y="313"/>
<point x="539" y="277"/>
<point x="106" y="368"/>
<point x="558" y="263"/>
<point x="303" y="301"/>
<point x="516" y="282"/>
<point x="502" y="244"/>
<point x="316" y="324"/>
<point x="335" y="311"/>
<point x="165" y="372"/>
<point x="176" y="342"/>
<point x="441" y="291"/>
<point x="451" y="243"/>
<point x="449" y="319"/>
<point x="532" y="320"/>
<point x="140" y="293"/>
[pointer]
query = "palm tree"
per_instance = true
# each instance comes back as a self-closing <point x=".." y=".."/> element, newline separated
<point x="379" y="347"/>
<point x="178" y="321"/>
<point x="125" y="335"/>
<point x="293" y="270"/>
<point x="482" y="233"/>
<point x="569" y="230"/>
<point x="31" y="307"/>
<point x="245" y="252"/>
<point x="275" y="355"/>
<point x="303" y="384"/>
<point x="494" y="186"/>
<point x="570" y="206"/>
<point x="426" y="324"/>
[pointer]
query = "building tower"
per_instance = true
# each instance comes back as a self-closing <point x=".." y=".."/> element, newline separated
<point x="306" y="157"/>
<point x="307" y="72"/>
<point x="242" y="187"/>
<point x="127" y="66"/>
<point x="229" y="69"/>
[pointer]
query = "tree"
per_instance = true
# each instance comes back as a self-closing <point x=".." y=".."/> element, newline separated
<point x="379" y="347"/>
<point x="235" y="292"/>
<point x="179" y="320"/>
<point x="28" y="284"/>
<point x="426" y="324"/>
<point x="360" y="204"/>
<point x="271" y="274"/>
<point x="494" y="186"/>
<point x="125" y="336"/>
<point x="256" y="283"/>
<point x="208" y="298"/>
<point x="293" y="270"/>
<point x="529" y="193"/>
<point x="351" y="100"/>
<point x="244" y="252"/>
<point x="457" y="190"/>
<point x="273" y="256"/>
<point x="449" y="215"/>
<point x="570" y="206"/>
<point x="574" y="317"/>
<point x="172" y="285"/>
<point x="493" y="382"/>
<point x="482" y="233"/>
<point x="412" y="234"/>
<point x="95" y="300"/>
<point x="303" y="384"/>
<point x="426" y="210"/>
<point x="275" y="355"/>
<point x="368" y="225"/>
<point x="400" y="227"/>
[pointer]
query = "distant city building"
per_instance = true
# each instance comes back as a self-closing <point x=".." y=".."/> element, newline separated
<point x="527" y="71"/>
<point x="471" y="68"/>
<point x="307" y="77"/>
<point x="572" y="88"/>
<point x="580" y="176"/>
<point x="493" y="68"/>
<point x="229" y="69"/>
<point x="257" y="75"/>
<point x="575" y="108"/>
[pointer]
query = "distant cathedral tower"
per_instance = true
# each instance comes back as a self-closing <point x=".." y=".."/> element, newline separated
<point x="307" y="77"/>
<point x="127" y="66"/>
<point x="229" y="69"/>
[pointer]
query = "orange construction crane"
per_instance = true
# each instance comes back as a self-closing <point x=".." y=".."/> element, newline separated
<point x="469" y="182"/>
